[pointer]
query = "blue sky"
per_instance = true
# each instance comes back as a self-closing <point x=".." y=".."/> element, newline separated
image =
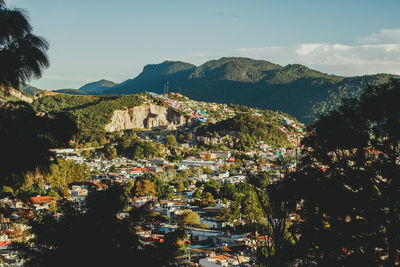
<point x="95" y="39"/>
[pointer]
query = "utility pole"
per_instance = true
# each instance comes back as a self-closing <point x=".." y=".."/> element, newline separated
<point x="167" y="87"/>
<point x="77" y="127"/>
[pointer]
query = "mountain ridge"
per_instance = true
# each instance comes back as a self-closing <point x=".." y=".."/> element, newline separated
<point x="296" y="89"/>
<point x="97" y="87"/>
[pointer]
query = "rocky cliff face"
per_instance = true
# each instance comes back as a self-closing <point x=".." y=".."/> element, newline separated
<point x="16" y="93"/>
<point x="146" y="116"/>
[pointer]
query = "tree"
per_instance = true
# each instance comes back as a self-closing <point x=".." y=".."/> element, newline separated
<point x="180" y="187"/>
<point x="207" y="199"/>
<point x="189" y="137"/>
<point x="6" y="191"/>
<point x="190" y="218"/>
<point x="163" y="189"/>
<point x="53" y="193"/>
<point x="207" y="170"/>
<point x="186" y="183"/>
<point x="228" y="191"/>
<point x="128" y="187"/>
<point x="63" y="172"/>
<point x="110" y="152"/>
<point x="170" y="141"/>
<point x="97" y="236"/>
<point x="138" y="152"/>
<point x="212" y="187"/>
<point x="260" y="204"/>
<point x="145" y="188"/>
<point x="197" y="193"/>
<point x="26" y="137"/>
<point x="245" y="204"/>
<point x="346" y="189"/>
<point x="150" y="149"/>
<point x="22" y="54"/>
<point x="112" y="169"/>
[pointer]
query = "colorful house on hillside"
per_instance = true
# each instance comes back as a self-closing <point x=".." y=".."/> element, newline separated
<point x="42" y="202"/>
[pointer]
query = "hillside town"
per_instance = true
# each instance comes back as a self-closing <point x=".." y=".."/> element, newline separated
<point x="199" y="133"/>
<point x="198" y="195"/>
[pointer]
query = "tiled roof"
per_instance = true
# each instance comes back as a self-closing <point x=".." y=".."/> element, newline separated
<point x="42" y="200"/>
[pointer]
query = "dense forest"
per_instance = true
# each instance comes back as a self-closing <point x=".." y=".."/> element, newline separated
<point x="247" y="130"/>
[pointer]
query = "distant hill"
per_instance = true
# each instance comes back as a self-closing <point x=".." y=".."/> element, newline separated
<point x="97" y="87"/>
<point x="155" y="76"/>
<point x="31" y="90"/>
<point x="295" y="89"/>
<point x="70" y="92"/>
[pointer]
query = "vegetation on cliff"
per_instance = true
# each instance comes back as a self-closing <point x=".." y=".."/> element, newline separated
<point x="91" y="113"/>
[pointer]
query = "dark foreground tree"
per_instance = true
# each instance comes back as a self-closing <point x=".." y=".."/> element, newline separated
<point x="278" y="246"/>
<point x="25" y="140"/>
<point x="25" y="137"/>
<point x="98" y="236"/>
<point x="22" y="54"/>
<point x="347" y="188"/>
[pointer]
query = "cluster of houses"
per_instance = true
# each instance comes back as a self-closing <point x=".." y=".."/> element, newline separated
<point x="211" y="245"/>
<point x="196" y="110"/>
<point x="296" y="134"/>
<point x="205" y="244"/>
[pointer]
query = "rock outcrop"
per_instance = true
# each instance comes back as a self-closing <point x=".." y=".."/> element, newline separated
<point x="146" y="116"/>
<point x="16" y="93"/>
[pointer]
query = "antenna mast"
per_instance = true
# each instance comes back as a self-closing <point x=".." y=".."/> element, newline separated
<point x="167" y="87"/>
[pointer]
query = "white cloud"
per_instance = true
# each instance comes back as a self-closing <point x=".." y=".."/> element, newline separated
<point x="333" y="58"/>
<point x="379" y="53"/>
<point x="384" y="36"/>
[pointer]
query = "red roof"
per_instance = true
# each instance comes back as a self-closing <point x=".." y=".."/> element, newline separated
<point x="138" y="169"/>
<point x="4" y="243"/>
<point x="42" y="200"/>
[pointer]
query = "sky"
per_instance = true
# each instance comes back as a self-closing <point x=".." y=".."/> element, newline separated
<point x="102" y="39"/>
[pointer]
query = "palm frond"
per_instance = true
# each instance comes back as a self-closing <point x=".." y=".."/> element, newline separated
<point x="13" y="23"/>
<point x="23" y="59"/>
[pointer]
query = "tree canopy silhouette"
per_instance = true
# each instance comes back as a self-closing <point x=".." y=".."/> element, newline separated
<point x="347" y="187"/>
<point x="25" y="139"/>
<point x="97" y="236"/>
<point x="22" y="54"/>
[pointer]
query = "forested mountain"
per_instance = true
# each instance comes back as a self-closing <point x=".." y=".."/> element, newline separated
<point x="97" y="87"/>
<point x="294" y="89"/>
<point x="154" y="77"/>
<point x="31" y="90"/>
